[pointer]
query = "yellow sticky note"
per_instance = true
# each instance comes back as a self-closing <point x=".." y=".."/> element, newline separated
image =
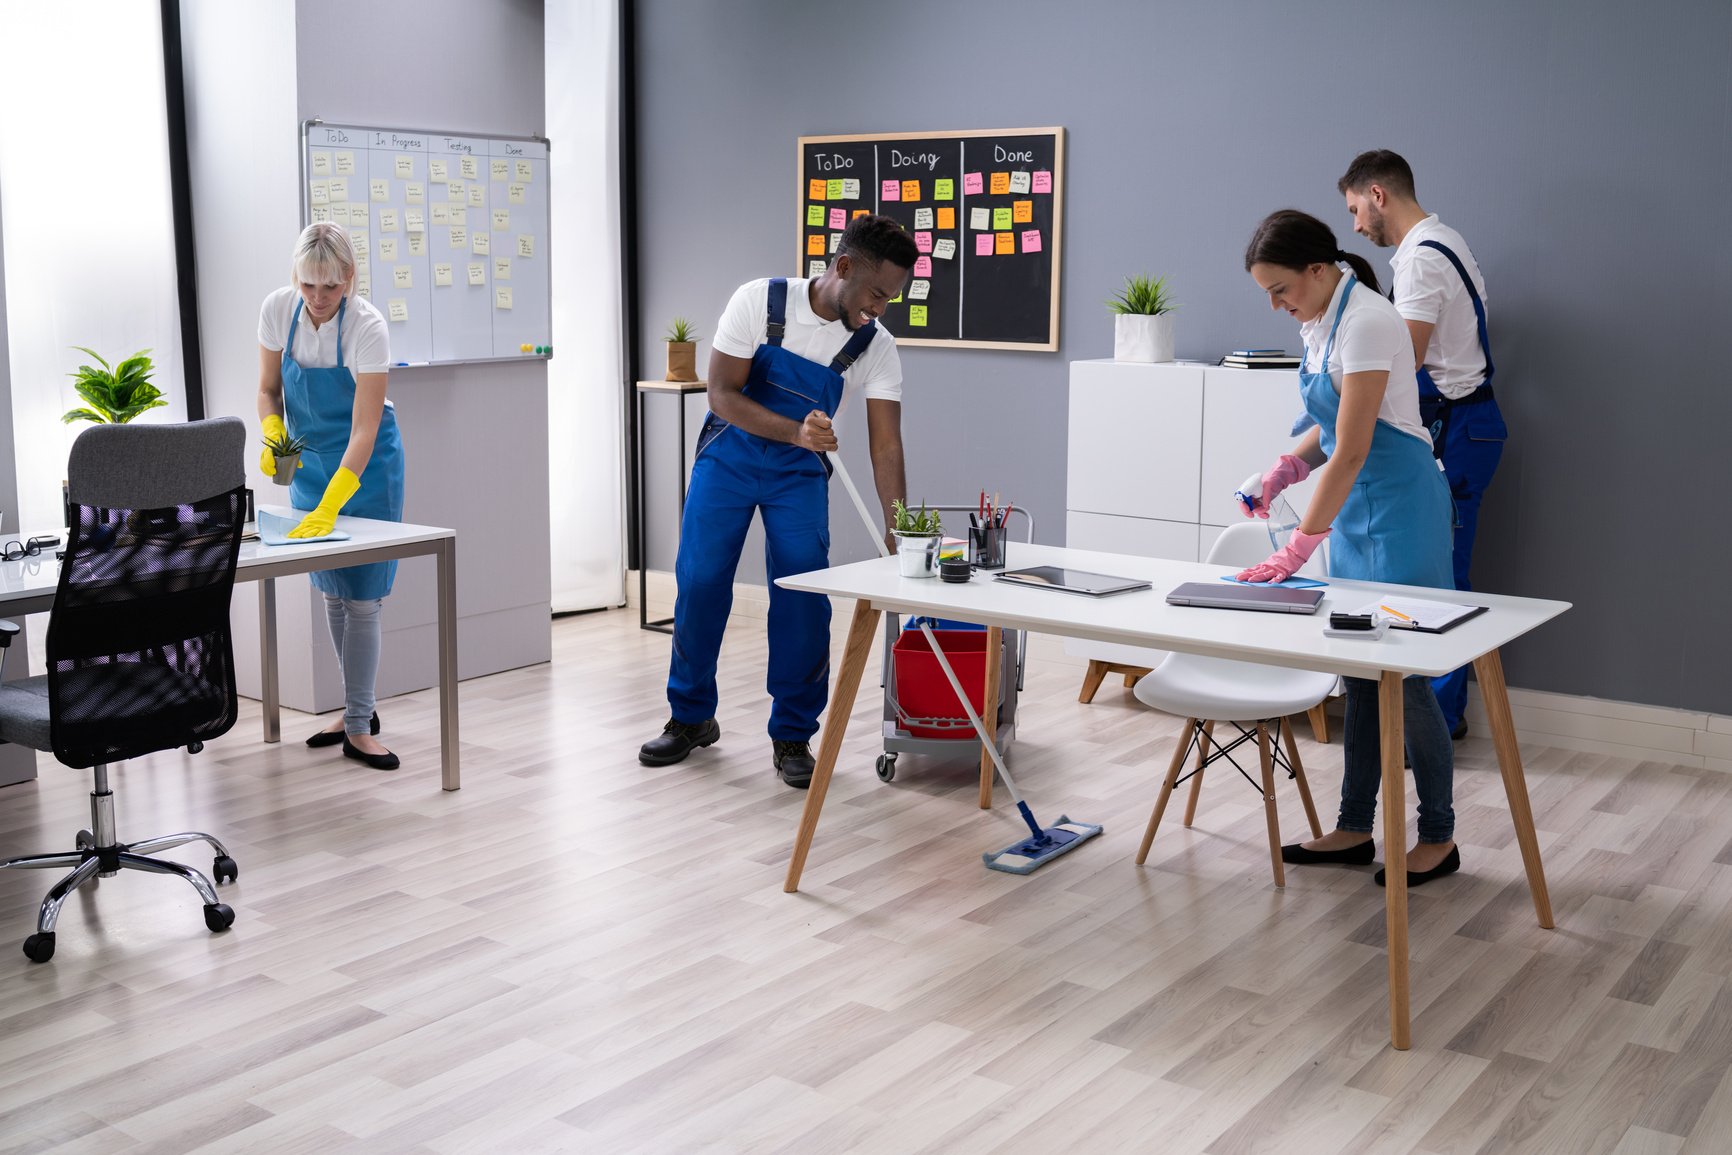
<point x="525" y="171"/>
<point x="387" y="248"/>
<point x="833" y="189"/>
<point x="437" y="171"/>
<point x="514" y="193"/>
<point x="1005" y="243"/>
<point x="850" y="188"/>
<point x="346" y="164"/>
<point x="815" y="245"/>
<point x="910" y="190"/>
<point x="917" y="315"/>
<point x="379" y="190"/>
<point x="417" y="244"/>
<point x="476" y="196"/>
<point x="358" y="241"/>
<point x="399" y="309"/>
<point x="467" y="168"/>
<point x="362" y="259"/>
<point x="459" y="215"/>
<point x="339" y="188"/>
<point x="835" y="241"/>
<point x="320" y="192"/>
<point x="321" y="163"/>
<point x="815" y="216"/>
<point x="459" y="237"/>
<point x="364" y="285"/>
<point x="502" y="268"/>
<point x="403" y="167"/>
<point x="1000" y="183"/>
<point x="1022" y="212"/>
<point x="414" y="220"/>
<point x="923" y="218"/>
<point x="340" y="214"/>
<point x="944" y="190"/>
<point x="358" y="213"/>
<point x="501" y="218"/>
<point x="946" y="218"/>
<point x="477" y="273"/>
<point x="321" y="213"/>
<point x="387" y="220"/>
<point x="454" y="190"/>
<point x="502" y="297"/>
<point x="1001" y="218"/>
<point x="1019" y="182"/>
<point x="415" y="193"/>
<point x="499" y="169"/>
<point x="442" y="274"/>
<point x="403" y="276"/>
<point x="441" y="213"/>
<point x="525" y="246"/>
<point x="817" y="189"/>
<point x="480" y="243"/>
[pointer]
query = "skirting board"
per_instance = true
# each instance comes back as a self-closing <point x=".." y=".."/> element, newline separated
<point x="1564" y="721"/>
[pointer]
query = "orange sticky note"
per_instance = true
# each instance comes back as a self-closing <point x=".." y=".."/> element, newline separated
<point x="1000" y="182"/>
<point x="859" y="213"/>
<point x="910" y="190"/>
<point x="815" y="245"/>
<point x="1022" y="212"/>
<point x="946" y="218"/>
<point x="815" y="189"/>
<point x="1005" y="243"/>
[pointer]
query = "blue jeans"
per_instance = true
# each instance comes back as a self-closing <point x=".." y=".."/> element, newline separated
<point x="356" y="635"/>
<point x="1428" y="748"/>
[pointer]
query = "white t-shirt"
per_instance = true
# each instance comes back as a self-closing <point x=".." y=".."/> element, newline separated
<point x="741" y="330"/>
<point x="1372" y="337"/>
<point x="366" y="344"/>
<point x="1427" y="288"/>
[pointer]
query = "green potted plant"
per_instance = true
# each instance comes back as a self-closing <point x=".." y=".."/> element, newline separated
<point x="1143" y="322"/>
<point x="918" y="536"/>
<point x="114" y="394"/>
<point x="287" y="450"/>
<point x="682" y="351"/>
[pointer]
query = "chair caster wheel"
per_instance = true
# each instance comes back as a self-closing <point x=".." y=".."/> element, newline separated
<point x="224" y="869"/>
<point x="886" y="767"/>
<point x="39" y="948"/>
<point x="85" y="840"/>
<point x="217" y="916"/>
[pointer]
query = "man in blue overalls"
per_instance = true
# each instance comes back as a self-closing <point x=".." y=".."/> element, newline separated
<point x="1440" y="294"/>
<point x="784" y="354"/>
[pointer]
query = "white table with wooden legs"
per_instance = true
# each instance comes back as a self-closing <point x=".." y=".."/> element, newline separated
<point x="1145" y="619"/>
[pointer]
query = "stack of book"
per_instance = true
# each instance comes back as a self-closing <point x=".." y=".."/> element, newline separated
<point x="1260" y="359"/>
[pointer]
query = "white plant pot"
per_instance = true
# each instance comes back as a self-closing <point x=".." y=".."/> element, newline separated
<point x="1141" y="337"/>
<point x="917" y="554"/>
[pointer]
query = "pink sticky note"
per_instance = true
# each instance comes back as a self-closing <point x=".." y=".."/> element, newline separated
<point x="1031" y="240"/>
<point x="1043" y="181"/>
<point x="923" y="242"/>
<point x="838" y="218"/>
<point x="923" y="266"/>
<point x="971" y="183"/>
<point x="983" y="244"/>
<point x="892" y="191"/>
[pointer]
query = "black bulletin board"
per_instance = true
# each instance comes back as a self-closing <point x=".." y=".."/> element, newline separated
<point x="986" y="209"/>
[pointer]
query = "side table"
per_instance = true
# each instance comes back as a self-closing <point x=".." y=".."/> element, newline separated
<point x="679" y="390"/>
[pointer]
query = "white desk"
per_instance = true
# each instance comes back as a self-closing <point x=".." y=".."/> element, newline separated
<point x="1144" y="619"/>
<point x="27" y="587"/>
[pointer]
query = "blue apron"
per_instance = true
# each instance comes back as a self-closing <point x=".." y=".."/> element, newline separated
<point x="1394" y="525"/>
<point x="735" y="475"/>
<point x="319" y="405"/>
<point x="1436" y="410"/>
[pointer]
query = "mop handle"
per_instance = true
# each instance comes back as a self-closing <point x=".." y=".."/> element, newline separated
<point x="967" y="708"/>
<point x="872" y="529"/>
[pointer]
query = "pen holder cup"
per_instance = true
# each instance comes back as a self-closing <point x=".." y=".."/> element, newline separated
<point x="986" y="546"/>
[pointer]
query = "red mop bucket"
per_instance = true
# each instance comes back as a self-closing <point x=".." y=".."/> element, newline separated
<point x="925" y="703"/>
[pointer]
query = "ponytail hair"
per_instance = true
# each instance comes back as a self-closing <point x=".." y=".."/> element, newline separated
<point x="1295" y="240"/>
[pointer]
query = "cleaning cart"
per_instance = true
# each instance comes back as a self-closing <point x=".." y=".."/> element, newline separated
<point x="920" y="711"/>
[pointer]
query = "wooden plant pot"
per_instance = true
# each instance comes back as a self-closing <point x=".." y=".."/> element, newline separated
<point x="682" y="361"/>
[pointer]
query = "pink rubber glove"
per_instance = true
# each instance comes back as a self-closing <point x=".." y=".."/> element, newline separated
<point x="1288" y="470"/>
<point x="1285" y="562"/>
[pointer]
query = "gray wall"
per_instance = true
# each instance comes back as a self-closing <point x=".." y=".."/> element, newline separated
<point x="1581" y="147"/>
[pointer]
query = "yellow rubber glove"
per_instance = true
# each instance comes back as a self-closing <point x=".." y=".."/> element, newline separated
<point x="274" y="428"/>
<point x="318" y="523"/>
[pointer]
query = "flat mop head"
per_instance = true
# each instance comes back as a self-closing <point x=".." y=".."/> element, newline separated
<point x="1031" y="854"/>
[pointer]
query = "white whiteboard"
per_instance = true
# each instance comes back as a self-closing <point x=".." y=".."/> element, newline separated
<point x="450" y="235"/>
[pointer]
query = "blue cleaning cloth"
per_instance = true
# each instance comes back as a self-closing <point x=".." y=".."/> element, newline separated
<point x="274" y="530"/>
<point x="1292" y="583"/>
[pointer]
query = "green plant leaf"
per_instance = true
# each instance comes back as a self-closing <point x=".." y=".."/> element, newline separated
<point x="72" y="415"/>
<point x="1143" y="296"/>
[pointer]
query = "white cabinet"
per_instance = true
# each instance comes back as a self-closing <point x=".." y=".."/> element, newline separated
<point x="1247" y="423"/>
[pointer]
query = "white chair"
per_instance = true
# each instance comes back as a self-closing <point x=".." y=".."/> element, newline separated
<point x="1210" y="691"/>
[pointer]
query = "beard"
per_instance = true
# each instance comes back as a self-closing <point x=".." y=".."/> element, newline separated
<point x="1376" y="231"/>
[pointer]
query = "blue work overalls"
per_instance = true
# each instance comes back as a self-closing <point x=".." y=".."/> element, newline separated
<point x="319" y="405"/>
<point x="736" y="473"/>
<point x="1467" y="434"/>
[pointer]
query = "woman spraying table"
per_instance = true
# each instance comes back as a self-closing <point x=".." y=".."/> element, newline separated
<point x="323" y="356"/>
<point x="1381" y="501"/>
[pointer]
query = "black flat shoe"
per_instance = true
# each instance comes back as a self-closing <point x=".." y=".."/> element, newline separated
<point x="1450" y="864"/>
<point x="678" y="739"/>
<point x="1360" y="854"/>
<point x="1459" y="732"/>
<point x="332" y="737"/>
<point x="385" y="761"/>
<point x="793" y="762"/>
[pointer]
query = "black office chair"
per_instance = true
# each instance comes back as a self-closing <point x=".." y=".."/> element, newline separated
<point x="138" y="648"/>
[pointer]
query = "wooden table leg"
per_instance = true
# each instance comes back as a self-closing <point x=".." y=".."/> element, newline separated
<point x="1488" y="668"/>
<point x="989" y="708"/>
<point x="1390" y="720"/>
<point x="854" y="654"/>
<point x="1097" y="673"/>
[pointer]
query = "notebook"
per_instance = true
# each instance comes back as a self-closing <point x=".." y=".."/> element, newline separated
<point x="1071" y="581"/>
<point x="1267" y="598"/>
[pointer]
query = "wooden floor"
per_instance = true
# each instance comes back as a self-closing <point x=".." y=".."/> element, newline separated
<point x="575" y="953"/>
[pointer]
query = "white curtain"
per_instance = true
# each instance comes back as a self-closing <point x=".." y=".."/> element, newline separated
<point x="89" y="232"/>
<point x="585" y="375"/>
